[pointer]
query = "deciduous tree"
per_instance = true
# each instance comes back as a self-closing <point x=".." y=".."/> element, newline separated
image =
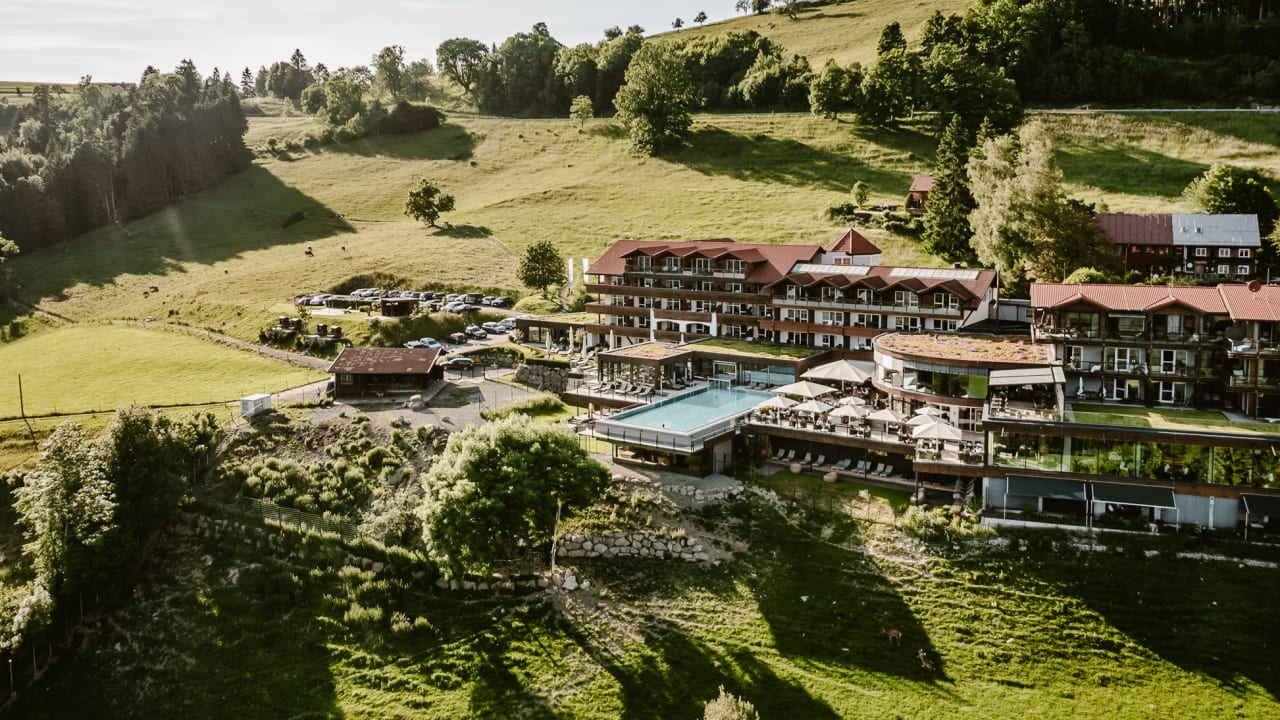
<point x="389" y="69"/>
<point x="654" y="103"/>
<point x="496" y="490"/>
<point x="426" y="202"/>
<point x="677" y="23"/>
<point x="1227" y="189"/>
<point x="700" y="18"/>
<point x="542" y="267"/>
<point x="460" y="60"/>
<point x="835" y="89"/>
<point x="581" y="110"/>
<point x="8" y="249"/>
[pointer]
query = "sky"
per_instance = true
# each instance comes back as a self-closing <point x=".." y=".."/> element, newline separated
<point x="115" y="40"/>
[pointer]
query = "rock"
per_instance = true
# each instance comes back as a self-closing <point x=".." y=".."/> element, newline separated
<point x="468" y="585"/>
<point x="570" y="583"/>
<point x="600" y="548"/>
<point x="378" y="567"/>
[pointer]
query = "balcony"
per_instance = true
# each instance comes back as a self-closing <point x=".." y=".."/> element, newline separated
<point x="1250" y="347"/>
<point x="682" y="271"/>
<point x="851" y="305"/>
<point x="1261" y="383"/>
<point x="723" y="296"/>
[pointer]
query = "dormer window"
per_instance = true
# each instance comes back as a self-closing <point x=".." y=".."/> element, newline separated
<point x="702" y="265"/>
<point x="735" y="266"/>
<point x="672" y="265"/>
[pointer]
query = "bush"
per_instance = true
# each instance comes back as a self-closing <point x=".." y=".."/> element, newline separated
<point x="532" y="405"/>
<point x="548" y="362"/>
<point x="406" y="117"/>
<point x="841" y="212"/>
<point x="940" y="524"/>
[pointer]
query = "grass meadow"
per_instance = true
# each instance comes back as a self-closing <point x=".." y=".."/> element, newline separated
<point x="1036" y="628"/>
<point x="222" y="260"/>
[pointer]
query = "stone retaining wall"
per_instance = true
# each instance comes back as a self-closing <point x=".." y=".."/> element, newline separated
<point x="632" y="545"/>
<point x="543" y="378"/>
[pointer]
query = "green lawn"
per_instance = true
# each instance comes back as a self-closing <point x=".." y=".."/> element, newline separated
<point x="1165" y="418"/>
<point x="794" y="626"/>
<point x="97" y="367"/>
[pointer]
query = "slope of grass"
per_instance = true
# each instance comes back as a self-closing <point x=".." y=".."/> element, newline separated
<point x="794" y="627"/>
<point x="84" y="368"/>
<point x="846" y="31"/>
<point x="223" y="260"/>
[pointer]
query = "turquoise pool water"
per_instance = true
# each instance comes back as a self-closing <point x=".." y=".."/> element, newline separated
<point x="692" y="411"/>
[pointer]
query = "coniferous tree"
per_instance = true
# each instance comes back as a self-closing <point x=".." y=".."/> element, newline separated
<point x="247" y="86"/>
<point x="947" y="233"/>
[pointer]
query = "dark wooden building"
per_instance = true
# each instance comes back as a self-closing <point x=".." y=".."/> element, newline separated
<point x="376" y="372"/>
<point x="918" y="194"/>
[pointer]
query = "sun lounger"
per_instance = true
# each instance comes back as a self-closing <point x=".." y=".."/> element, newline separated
<point x="820" y="461"/>
<point x="841" y="464"/>
<point x="861" y="467"/>
<point x="791" y="455"/>
<point x="886" y="472"/>
<point x="807" y="458"/>
<point x="879" y="467"/>
<point x="778" y="455"/>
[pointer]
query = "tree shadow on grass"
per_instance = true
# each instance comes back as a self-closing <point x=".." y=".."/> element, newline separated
<point x="1204" y="617"/>
<point x="250" y="211"/>
<point x="447" y="142"/>
<point x="450" y="230"/>
<point x="761" y="158"/>
<point x="1127" y="170"/>
<point x="1260" y="128"/>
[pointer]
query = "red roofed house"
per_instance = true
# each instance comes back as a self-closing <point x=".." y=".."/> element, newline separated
<point x="852" y="248"/>
<point x="918" y="194"/>
<point x="1205" y="247"/>
<point x="361" y="372"/>
<point x="1212" y="346"/>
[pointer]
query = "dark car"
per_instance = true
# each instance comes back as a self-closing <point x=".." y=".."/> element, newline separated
<point x="477" y="332"/>
<point x="500" y="301"/>
<point x="458" y="338"/>
<point x="458" y="363"/>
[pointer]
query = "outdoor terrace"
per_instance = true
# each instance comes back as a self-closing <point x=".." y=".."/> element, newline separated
<point x="970" y="349"/>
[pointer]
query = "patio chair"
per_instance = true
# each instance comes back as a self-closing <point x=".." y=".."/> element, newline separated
<point x="791" y="455"/>
<point x="878" y="469"/>
<point x="842" y="464"/>
<point x="859" y="467"/>
<point x="778" y="455"/>
<point x="807" y="458"/>
<point x="820" y="461"/>
<point x="886" y="472"/>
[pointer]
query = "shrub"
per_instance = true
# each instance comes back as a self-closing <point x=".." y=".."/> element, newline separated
<point x="533" y="405"/>
<point x="940" y="524"/>
<point x="841" y="212"/>
<point x="408" y="118"/>
<point x="548" y="362"/>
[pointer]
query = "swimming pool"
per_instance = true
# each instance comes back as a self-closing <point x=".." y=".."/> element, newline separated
<point x="692" y="411"/>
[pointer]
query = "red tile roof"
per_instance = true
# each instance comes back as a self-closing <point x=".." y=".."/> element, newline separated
<point x="853" y="243"/>
<point x="1127" y="229"/>
<point x="889" y="277"/>
<point x="1129" y="298"/>
<point x="1245" y="304"/>
<point x="921" y="183"/>
<point x="390" y="361"/>
<point x="767" y="262"/>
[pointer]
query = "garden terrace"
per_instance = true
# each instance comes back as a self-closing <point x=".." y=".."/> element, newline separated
<point x="967" y="350"/>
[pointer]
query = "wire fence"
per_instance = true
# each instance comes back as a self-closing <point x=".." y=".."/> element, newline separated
<point x="288" y="517"/>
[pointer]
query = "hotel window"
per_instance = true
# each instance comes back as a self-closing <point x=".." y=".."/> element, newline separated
<point x="946" y="325"/>
<point x="1242" y="269"/>
<point x="1244" y="253"/>
<point x="1224" y="252"/>
<point x="733" y="287"/>
<point x="1224" y="269"/>
<point x="674" y="284"/>
<point x="831" y="318"/>
<point x="646" y="282"/>
<point x="946" y="300"/>
<point x="795" y="292"/>
<point x="828" y="341"/>
<point x="797" y="315"/>
<point x="644" y="302"/>
<point x="735" y="266"/>
<point x="702" y="265"/>
<point x="672" y="264"/>
<point x="906" y="324"/>
<point x="704" y="286"/>
<point x="1202" y="252"/>
<point x="906" y="298"/>
<point x="644" y="262"/>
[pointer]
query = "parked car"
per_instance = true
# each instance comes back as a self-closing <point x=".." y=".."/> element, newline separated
<point x="477" y="332"/>
<point x="458" y="338"/>
<point x="486" y="300"/>
<point x="494" y="328"/>
<point x="455" y="307"/>
<point x="508" y="324"/>
<point x="501" y="301"/>
<point x="414" y="345"/>
<point x="473" y="298"/>
<point x="429" y="342"/>
<point x="458" y="363"/>
<point x="453" y="297"/>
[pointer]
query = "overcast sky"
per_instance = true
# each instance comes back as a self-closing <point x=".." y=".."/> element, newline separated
<point x="114" y="40"/>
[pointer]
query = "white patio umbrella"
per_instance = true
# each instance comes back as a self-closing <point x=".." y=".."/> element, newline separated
<point x="929" y="410"/>
<point x="777" y="402"/>
<point x="853" y="401"/>
<point x="918" y="420"/>
<point x="841" y="370"/>
<point x="849" y="411"/>
<point x="937" y="431"/>
<point x="886" y="415"/>
<point x="812" y="406"/>
<point x="804" y="389"/>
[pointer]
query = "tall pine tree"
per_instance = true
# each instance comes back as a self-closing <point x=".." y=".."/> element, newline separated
<point x="947" y="233"/>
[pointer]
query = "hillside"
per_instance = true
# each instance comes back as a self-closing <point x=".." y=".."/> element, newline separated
<point x="846" y="32"/>
<point x="222" y="260"/>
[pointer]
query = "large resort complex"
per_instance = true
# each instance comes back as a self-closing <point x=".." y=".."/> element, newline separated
<point x="1112" y="404"/>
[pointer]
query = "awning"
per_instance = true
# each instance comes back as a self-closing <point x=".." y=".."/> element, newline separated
<point x="1141" y="495"/>
<point x="1027" y="376"/>
<point x="1058" y="488"/>
<point x="1262" y="504"/>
